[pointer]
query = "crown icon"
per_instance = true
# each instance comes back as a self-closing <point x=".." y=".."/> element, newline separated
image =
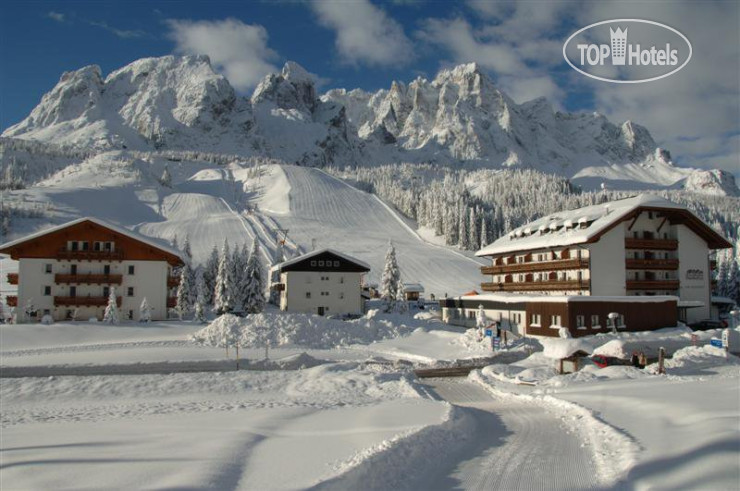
<point x="619" y="45"/>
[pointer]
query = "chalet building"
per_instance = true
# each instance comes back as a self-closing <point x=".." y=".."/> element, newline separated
<point x="67" y="271"/>
<point x="323" y="282"/>
<point x="644" y="246"/>
<point x="413" y="291"/>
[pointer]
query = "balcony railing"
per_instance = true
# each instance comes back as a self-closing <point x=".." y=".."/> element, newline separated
<point x="561" y="264"/>
<point x="86" y="301"/>
<point x="531" y="286"/>
<point x="173" y="281"/>
<point x="670" y="264"/>
<point x="653" y="284"/>
<point x="656" y="244"/>
<point x="11" y="300"/>
<point x="13" y="278"/>
<point x="89" y="279"/>
<point x="64" y="254"/>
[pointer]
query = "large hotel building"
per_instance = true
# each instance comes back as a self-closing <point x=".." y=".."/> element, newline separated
<point x="645" y="260"/>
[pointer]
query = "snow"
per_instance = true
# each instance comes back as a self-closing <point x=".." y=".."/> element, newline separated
<point x="601" y="217"/>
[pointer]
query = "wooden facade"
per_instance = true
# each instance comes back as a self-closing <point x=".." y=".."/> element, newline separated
<point x="54" y="246"/>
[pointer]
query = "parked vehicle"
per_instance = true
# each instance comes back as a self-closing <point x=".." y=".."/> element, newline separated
<point x="708" y="324"/>
<point x="602" y="361"/>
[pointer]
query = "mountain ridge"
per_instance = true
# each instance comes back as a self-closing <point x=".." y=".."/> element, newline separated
<point x="460" y="117"/>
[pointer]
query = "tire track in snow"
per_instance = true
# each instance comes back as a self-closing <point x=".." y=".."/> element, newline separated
<point x="520" y="446"/>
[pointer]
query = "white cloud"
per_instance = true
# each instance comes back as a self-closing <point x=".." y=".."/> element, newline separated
<point x="365" y="33"/>
<point x="237" y="49"/>
<point x="59" y="17"/>
<point x="121" y="33"/>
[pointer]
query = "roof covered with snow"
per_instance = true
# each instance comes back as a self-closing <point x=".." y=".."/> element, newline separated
<point x="116" y="228"/>
<point x="298" y="259"/>
<point x="413" y="287"/>
<point x="587" y="224"/>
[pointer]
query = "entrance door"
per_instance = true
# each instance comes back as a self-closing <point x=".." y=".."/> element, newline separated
<point x="321" y="310"/>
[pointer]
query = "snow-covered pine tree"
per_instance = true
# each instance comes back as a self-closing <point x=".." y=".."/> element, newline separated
<point x="166" y="179"/>
<point x="473" y="233"/>
<point x="481" y="321"/>
<point x="463" y="228"/>
<point x="254" y="280"/>
<point x="185" y="291"/>
<point x="224" y="286"/>
<point x="209" y="276"/>
<point x="733" y="280"/>
<point x="187" y="251"/>
<point x="175" y="245"/>
<point x="200" y="304"/>
<point x="111" y="310"/>
<point x="145" y="311"/>
<point x="390" y="278"/>
<point x="402" y="306"/>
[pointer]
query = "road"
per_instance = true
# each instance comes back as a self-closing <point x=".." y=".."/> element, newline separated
<point x="518" y="445"/>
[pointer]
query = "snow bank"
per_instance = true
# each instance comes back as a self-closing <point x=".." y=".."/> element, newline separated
<point x="309" y="331"/>
<point x="693" y="359"/>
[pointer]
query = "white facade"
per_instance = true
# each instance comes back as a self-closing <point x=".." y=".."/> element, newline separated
<point x="606" y="263"/>
<point x="694" y="274"/>
<point x="323" y="293"/>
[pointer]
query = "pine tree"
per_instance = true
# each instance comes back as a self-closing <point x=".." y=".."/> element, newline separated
<point x="254" y="293"/>
<point x="145" y="311"/>
<point x="111" y="310"/>
<point x="175" y="245"/>
<point x="166" y="179"/>
<point x="224" y="287"/>
<point x="733" y="281"/>
<point x="209" y="276"/>
<point x="402" y="305"/>
<point x="464" y="233"/>
<point x="200" y="309"/>
<point x="481" y="321"/>
<point x="184" y="292"/>
<point x="473" y="235"/>
<point x="483" y="232"/>
<point x="186" y="250"/>
<point x="390" y="278"/>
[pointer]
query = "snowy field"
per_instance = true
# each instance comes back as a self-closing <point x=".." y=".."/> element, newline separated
<point x="346" y="412"/>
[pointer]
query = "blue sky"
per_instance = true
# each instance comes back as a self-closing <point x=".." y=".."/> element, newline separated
<point x="368" y="43"/>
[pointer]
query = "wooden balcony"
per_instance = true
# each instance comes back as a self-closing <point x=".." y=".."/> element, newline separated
<point x="171" y="302"/>
<point x="533" y="286"/>
<point x="64" y="254"/>
<point x="653" y="284"/>
<point x="654" y="244"/>
<point x="173" y="281"/>
<point x="11" y="300"/>
<point x="663" y="264"/>
<point x="558" y="265"/>
<point x="13" y="278"/>
<point x="87" y="301"/>
<point x="89" y="279"/>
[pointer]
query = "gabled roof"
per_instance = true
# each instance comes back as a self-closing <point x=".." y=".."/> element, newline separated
<point x="413" y="287"/>
<point x="296" y="260"/>
<point x="4" y="248"/>
<point x="588" y="224"/>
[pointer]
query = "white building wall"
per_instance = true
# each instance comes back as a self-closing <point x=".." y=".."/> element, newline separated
<point x="149" y="280"/>
<point x="693" y="271"/>
<point x="607" y="263"/>
<point x="342" y="292"/>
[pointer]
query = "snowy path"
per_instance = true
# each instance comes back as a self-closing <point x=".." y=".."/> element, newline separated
<point x="336" y="215"/>
<point x="518" y="446"/>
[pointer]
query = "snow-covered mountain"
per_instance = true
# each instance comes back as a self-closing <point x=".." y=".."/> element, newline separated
<point x="715" y="181"/>
<point x="460" y="117"/>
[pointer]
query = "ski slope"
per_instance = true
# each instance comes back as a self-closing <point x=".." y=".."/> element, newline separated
<point x="336" y="215"/>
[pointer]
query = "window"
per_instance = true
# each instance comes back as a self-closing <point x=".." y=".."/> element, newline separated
<point x="47" y="268"/>
<point x="620" y="322"/>
<point x="131" y="269"/>
<point x="595" y="322"/>
<point x="130" y="315"/>
<point x="106" y="269"/>
<point x="536" y="320"/>
<point x="650" y="215"/>
<point x="336" y="264"/>
<point x="85" y="246"/>
<point x="73" y="246"/>
<point x="47" y="291"/>
<point x="106" y="291"/>
<point x="130" y="291"/>
<point x="109" y="246"/>
<point x="308" y="294"/>
<point x="313" y="263"/>
<point x="47" y="312"/>
<point x="321" y="263"/>
<point x="555" y="320"/>
<point x="471" y="315"/>
<point x="581" y="321"/>
<point x="635" y="235"/>
<point x="97" y="246"/>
